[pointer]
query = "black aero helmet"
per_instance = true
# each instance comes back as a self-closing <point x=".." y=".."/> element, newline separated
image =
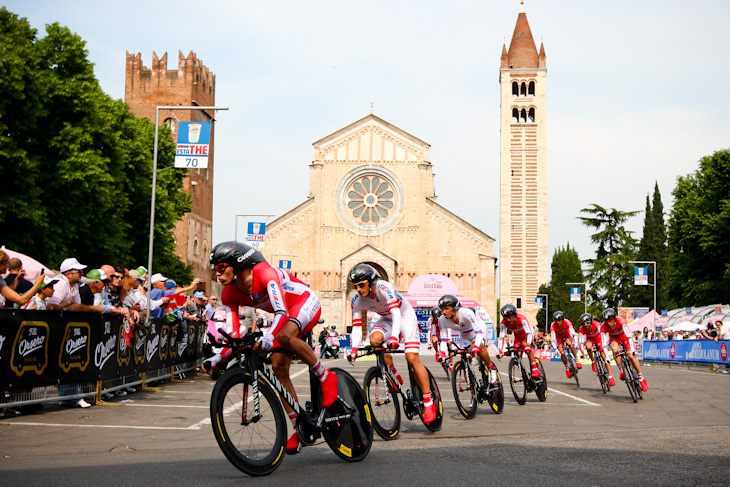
<point x="236" y="254"/>
<point x="559" y="315"/>
<point x="586" y="318"/>
<point x="363" y="272"/>
<point x="435" y="311"/>
<point x="608" y="314"/>
<point x="449" y="300"/>
<point x="508" y="310"/>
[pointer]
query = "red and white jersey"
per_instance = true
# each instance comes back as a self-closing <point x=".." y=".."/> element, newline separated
<point x="275" y="291"/>
<point x="590" y="331"/>
<point x="558" y="334"/>
<point x="521" y="328"/>
<point x="620" y="331"/>
<point x="470" y="327"/>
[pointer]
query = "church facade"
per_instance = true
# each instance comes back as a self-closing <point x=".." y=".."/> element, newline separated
<point x="372" y="200"/>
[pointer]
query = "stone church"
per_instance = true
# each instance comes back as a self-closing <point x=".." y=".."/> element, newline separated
<point x="372" y="199"/>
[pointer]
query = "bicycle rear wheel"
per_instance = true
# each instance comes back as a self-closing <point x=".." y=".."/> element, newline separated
<point x="463" y="383"/>
<point x="383" y="400"/>
<point x="517" y="381"/>
<point x="434" y="425"/>
<point x="630" y="383"/>
<point x="254" y="445"/>
<point x="350" y="438"/>
<point x="574" y="369"/>
<point x="541" y="389"/>
<point x="495" y="394"/>
<point x="602" y="374"/>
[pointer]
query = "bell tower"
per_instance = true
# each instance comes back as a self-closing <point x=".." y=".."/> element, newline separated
<point x="523" y="171"/>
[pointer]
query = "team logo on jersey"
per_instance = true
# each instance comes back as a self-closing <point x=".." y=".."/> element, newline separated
<point x="276" y="298"/>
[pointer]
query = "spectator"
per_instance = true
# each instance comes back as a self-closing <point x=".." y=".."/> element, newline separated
<point x="247" y="318"/>
<point x="159" y="291"/>
<point x="66" y="291"/>
<point x="16" y="279"/>
<point x="114" y="286"/>
<point x="135" y="298"/>
<point x="646" y="334"/>
<point x="210" y="307"/>
<point x="8" y="293"/>
<point x="94" y="297"/>
<point x="723" y="331"/>
<point x="38" y="301"/>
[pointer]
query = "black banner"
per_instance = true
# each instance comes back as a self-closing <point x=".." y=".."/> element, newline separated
<point x="41" y="348"/>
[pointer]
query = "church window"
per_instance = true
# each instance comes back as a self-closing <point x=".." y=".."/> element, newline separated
<point x="523" y="116"/>
<point x="515" y="115"/>
<point x="370" y="199"/>
<point x="515" y="89"/>
<point x="531" y="89"/>
<point x="170" y="122"/>
<point x="523" y="89"/>
<point x="531" y="115"/>
<point x="195" y="246"/>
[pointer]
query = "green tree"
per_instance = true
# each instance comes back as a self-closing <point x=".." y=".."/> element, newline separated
<point x="653" y="247"/>
<point x="610" y="273"/>
<point x="565" y="267"/>
<point x="699" y="234"/>
<point x="79" y="164"/>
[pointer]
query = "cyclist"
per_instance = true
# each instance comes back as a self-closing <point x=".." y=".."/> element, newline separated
<point x="590" y="334"/>
<point x="249" y="280"/>
<point x="520" y="326"/>
<point x="439" y="347"/>
<point x="615" y="327"/>
<point x="396" y="317"/>
<point x="562" y="334"/>
<point x="470" y="326"/>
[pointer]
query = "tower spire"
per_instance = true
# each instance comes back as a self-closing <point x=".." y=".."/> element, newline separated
<point x="522" y="51"/>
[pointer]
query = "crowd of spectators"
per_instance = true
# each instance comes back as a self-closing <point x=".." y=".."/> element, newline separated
<point x="113" y="290"/>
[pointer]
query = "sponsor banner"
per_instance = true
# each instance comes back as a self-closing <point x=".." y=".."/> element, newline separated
<point x="641" y="277"/>
<point x="423" y="315"/>
<point x="538" y="302"/>
<point x="575" y="294"/>
<point x="256" y="234"/>
<point x="708" y="351"/>
<point x="193" y="145"/>
<point x="41" y="348"/>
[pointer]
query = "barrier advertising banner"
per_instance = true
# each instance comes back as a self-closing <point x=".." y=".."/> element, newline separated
<point x="708" y="351"/>
<point x="42" y="348"/>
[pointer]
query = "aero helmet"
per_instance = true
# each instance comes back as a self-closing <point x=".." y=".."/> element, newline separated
<point x="435" y="311"/>
<point x="363" y="272"/>
<point x="236" y="254"/>
<point x="559" y="315"/>
<point x="608" y="314"/>
<point x="586" y="318"/>
<point x="508" y="310"/>
<point x="449" y="300"/>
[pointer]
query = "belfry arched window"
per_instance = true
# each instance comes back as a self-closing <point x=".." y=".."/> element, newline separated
<point x="523" y="89"/>
<point x="515" y="88"/>
<point x="531" y="89"/>
<point x="531" y="115"/>
<point x="515" y="116"/>
<point x="523" y="116"/>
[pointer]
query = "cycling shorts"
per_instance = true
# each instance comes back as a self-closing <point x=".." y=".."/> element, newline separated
<point x="305" y="313"/>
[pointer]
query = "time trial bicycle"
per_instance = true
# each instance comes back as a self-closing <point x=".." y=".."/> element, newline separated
<point x="520" y="379"/>
<point x="601" y="369"/>
<point x="249" y="423"/>
<point x="469" y="391"/>
<point x="631" y="376"/>
<point x="382" y="389"/>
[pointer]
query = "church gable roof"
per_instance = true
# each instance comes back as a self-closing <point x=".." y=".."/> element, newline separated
<point x="371" y="139"/>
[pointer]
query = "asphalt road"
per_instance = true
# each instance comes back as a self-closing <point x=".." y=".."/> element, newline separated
<point x="679" y="434"/>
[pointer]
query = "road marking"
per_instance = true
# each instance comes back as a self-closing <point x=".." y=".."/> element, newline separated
<point x="588" y="403"/>
<point x="124" y="426"/>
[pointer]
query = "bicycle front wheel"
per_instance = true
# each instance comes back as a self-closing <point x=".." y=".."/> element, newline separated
<point x="384" y="405"/>
<point x="517" y="381"/>
<point x="350" y="438"/>
<point x="465" y="392"/>
<point x="602" y="375"/>
<point x="541" y="389"/>
<point x="631" y="381"/>
<point x="253" y="444"/>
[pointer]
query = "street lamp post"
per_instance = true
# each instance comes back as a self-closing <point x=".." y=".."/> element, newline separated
<point x="648" y="262"/>
<point x="235" y="235"/>
<point x="546" y="310"/>
<point x="585" y="284"/>
<point x="154" y="184"/>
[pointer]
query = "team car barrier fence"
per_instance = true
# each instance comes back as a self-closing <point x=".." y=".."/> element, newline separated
<point x="702" y="351"/>
<point x="47" y="354"/>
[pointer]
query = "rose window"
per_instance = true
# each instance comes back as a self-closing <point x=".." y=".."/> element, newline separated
<point x="370" y="199"/>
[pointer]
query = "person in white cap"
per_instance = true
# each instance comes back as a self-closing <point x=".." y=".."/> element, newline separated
<point x="39" y="300"/>
<point x="66" y="291"/>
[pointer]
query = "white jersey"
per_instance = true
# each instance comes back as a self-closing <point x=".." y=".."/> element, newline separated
<point x="470" y="326"/>
<point x="396" y="315"/>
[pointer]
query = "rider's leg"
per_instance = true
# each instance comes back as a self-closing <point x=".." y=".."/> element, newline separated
<point x="615" y="350"/>
<point x="564" y="359"/>
<point x="571" y="346"/>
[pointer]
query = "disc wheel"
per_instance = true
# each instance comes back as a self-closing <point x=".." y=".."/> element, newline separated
<point x="517" y="381"/>
<point x="541" y="389"/>
<point x="350" y="438"/>
<point x="434" y="425"/>
<point x="254" y="445"/>
<point x="463" y="383"/>
<point x="495" y="391"/>
<point x="384" y="404"/>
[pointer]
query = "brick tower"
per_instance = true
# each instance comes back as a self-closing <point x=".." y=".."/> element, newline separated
<point x="191" y="84"/>
<point x="523" y="171"/>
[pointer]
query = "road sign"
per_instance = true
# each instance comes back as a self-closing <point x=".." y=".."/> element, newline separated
<point x="538" y="302"/>
<point x="575" y="294"/>
<point x="256" y="234"/>
<point x="641" y="277"/>
<point x="193" y="145"/>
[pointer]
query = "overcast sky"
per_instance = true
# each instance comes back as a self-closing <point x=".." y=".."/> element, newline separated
<point x="637" y="92"/>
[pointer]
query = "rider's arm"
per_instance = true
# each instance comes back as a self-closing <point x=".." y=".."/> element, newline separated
<point x="553" y="339"/>
<point x="394" y="305"/>
<point x="528" y="330"/>
<point x="356" y="335"/>
<point x="271" y="280"/>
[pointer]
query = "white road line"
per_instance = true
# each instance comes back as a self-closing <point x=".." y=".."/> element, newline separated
<point x="123" y="426"/>
<point x="164" y="406"/>
<point x="589" y="403"/>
